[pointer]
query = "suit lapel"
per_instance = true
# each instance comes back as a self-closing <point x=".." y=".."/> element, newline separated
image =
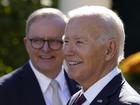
<point x="104" y="96"/>
<point x="74" y="97"/>
<point x="30" y="90"/>
<point x="72" y="85"/>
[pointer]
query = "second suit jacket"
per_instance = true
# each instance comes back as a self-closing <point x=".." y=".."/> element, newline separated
<point x="22" y="88"/>
<point x="116" y="92"/>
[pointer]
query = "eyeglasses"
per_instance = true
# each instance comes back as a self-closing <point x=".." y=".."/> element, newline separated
<point x="53" y="44"/>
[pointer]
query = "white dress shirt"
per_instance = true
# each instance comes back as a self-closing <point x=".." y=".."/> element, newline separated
<point x="96" y="88"/>
<point x="46" y="89"/>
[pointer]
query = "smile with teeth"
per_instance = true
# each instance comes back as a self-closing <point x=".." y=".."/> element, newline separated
<point x="74" y="62"/>
<point x="47" y="57"/>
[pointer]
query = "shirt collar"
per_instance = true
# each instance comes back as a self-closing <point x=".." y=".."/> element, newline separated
<point x="96" y="88"/>
<point x="61" y="79"/>
<point x="44" y="81"/>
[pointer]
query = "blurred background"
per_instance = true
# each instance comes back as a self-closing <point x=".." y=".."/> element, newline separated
<point x="13" y="15"/>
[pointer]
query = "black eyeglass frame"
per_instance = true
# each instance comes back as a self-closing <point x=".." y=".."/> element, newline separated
<point x="54" y="44"/>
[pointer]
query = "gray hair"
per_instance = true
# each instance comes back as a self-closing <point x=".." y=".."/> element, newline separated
<point x="47" y="13"/>
<point x="110" y="22"/>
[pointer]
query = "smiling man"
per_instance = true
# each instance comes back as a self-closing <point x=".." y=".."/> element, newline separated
<point x="33" y="83"/>
<point x="93" y="47"/>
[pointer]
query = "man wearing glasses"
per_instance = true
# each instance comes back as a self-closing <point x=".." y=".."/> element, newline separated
<point x="32" y="84"/>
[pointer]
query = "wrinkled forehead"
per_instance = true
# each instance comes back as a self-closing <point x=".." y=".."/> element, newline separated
<point x="87" y="25"/>
<point x="90" y="20"/>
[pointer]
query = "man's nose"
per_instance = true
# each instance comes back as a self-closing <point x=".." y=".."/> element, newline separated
<point x="46" y="46"/>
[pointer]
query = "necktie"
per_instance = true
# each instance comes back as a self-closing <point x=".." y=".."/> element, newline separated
<point x="80" y="100"/>
<point x="55" y="97"/>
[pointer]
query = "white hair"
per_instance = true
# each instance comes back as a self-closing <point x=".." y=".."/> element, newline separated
<point x="45" y="12"/>
<point x="110" y="22"/>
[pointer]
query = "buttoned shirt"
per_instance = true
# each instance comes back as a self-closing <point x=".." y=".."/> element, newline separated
<point x="46" y="89"/>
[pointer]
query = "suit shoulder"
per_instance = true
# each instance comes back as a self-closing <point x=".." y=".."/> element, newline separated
<point x="128" y="96"/>
<point x="10" y="78"/>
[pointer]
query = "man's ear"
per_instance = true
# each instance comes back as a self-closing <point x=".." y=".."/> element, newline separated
<point x="25" y="41"/>
<point x="111" y="49"/>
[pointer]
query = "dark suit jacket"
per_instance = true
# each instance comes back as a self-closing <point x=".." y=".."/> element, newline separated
<point x="22" y="88"/>
<point x="117" y="92"/>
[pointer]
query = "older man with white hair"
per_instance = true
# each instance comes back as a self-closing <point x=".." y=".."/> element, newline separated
<point x="93" y="47"/>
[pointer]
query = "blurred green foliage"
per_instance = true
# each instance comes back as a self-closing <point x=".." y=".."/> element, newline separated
<point x="13" y="15"/>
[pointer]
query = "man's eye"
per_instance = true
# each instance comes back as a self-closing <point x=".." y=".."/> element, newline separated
<point x="79" y="42"/>
<point x="66" y="41"/>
